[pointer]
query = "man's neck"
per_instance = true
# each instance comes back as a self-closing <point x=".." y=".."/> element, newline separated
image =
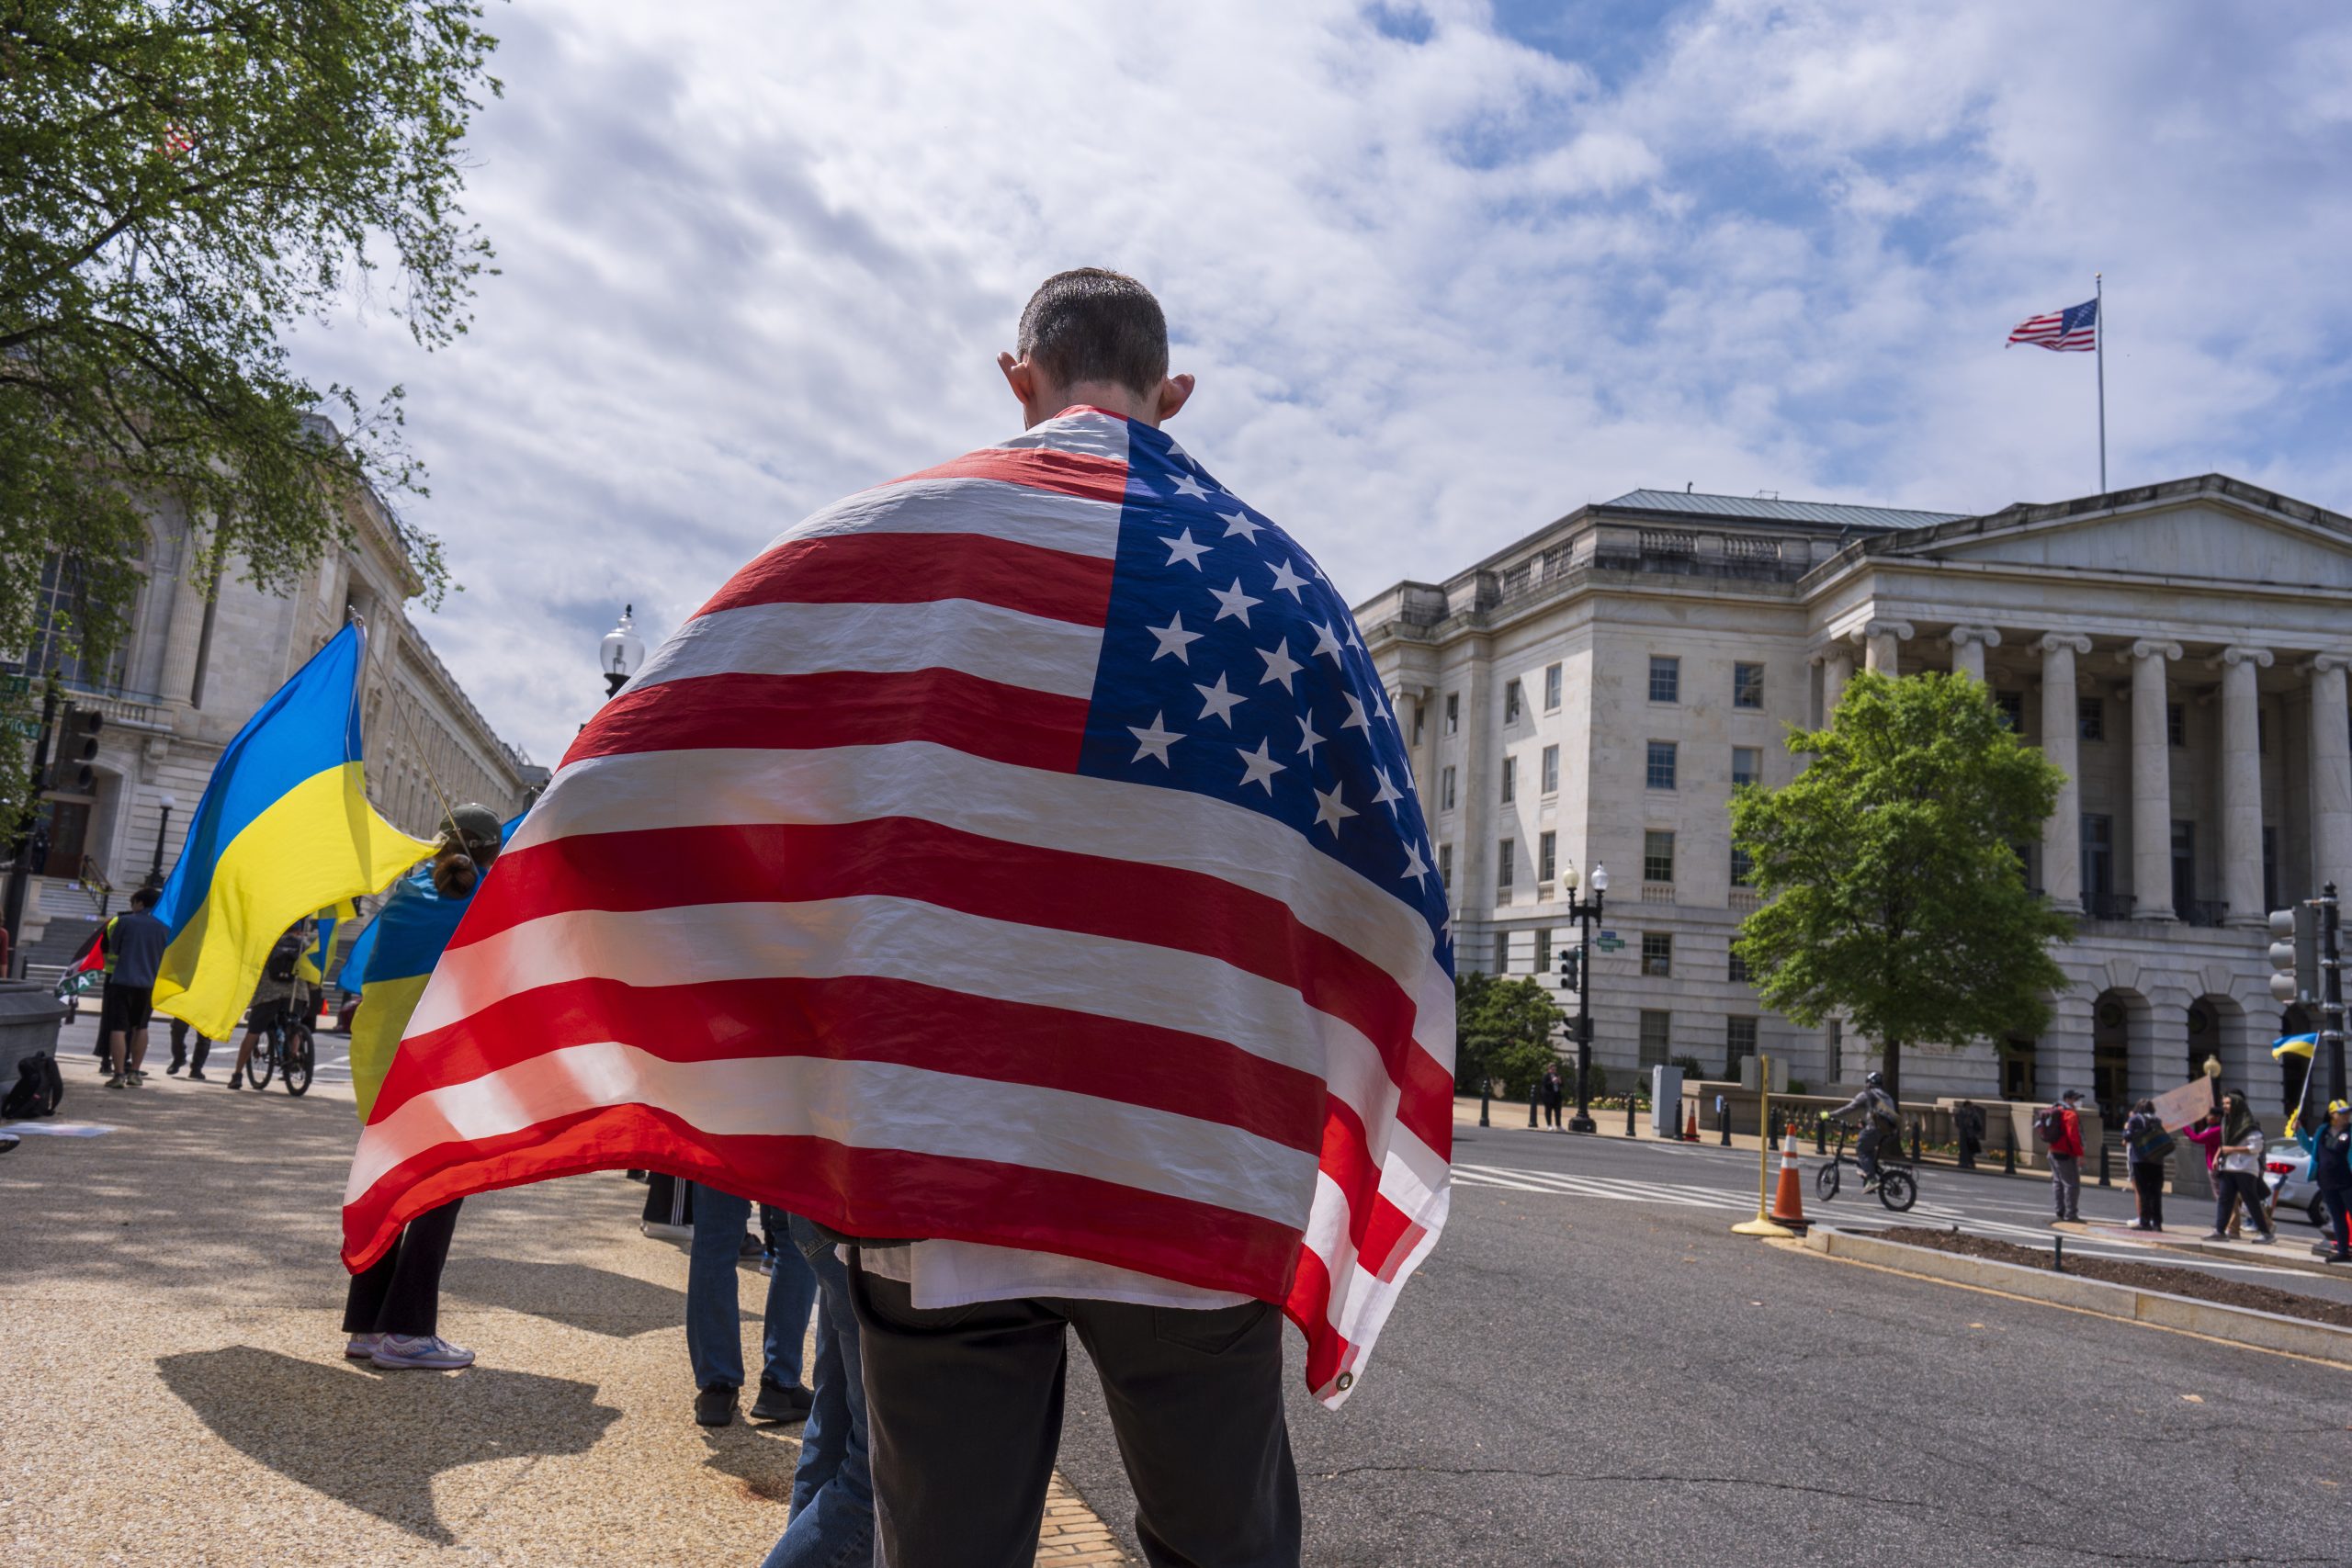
<point x="1108" y="395"/>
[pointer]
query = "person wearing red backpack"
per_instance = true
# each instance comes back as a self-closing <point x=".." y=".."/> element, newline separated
<point x="2060" y="1129"/>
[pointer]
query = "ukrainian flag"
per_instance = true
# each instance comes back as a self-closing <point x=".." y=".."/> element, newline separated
<point x="390" y="965"/>
<point x="284" y="830"/>
<point x="312" y="965"/>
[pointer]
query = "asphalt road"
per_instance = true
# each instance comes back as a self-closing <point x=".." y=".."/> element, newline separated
<point x="1578" y="1378"/>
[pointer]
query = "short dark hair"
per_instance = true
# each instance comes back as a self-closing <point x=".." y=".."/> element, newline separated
<point x="145" y="898"/>
<point x="1092" y="324"/>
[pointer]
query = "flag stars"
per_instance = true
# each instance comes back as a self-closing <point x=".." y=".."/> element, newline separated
<point x="1307" y="738"/>
<point x="1258" y="768"/>
<point x="1232" y="602"/>
<point x="1329" y="810"/>
<point x="1239" y="523"/>
<point x="1279" y="665"/>
<point x="1415" y="866"/>
<point x="1288" y="582"/>
<point x="1356" y="719"/>
<point x="1154" y="743"/>
<point x="1327" y="645"/>
<point x="1188" y="486"/>
<point x="1173" y="639"/>
<point x="1183" y="548"/>
<point x="1388" y="795"/>
<point x="1218" y="702"/>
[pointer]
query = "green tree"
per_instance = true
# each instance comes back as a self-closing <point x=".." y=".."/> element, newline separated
<point x="1894" y="891"/>
<point x="181" y="182"/>
<point x="1504" y="1030"/>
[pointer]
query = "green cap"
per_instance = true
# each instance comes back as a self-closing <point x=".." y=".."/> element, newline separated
<point x="477" y="825"/>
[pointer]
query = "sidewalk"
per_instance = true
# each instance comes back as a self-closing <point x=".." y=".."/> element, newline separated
<point x="178" y="1393"/>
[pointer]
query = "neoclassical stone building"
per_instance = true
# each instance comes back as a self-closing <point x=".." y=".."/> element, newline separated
<point x="1590" y="695"/>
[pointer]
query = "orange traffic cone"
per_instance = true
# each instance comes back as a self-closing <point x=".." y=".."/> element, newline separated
<point x="1691" y="1132"/>
<point x="1788" y="1201"/>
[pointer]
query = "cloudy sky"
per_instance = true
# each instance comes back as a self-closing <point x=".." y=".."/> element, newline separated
<point x="1445" y="270"/>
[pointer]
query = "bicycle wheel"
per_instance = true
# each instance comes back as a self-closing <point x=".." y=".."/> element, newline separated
<point x="265" y="1060"/>
<point x="1897" y="1189"/>
<point x="301" y="1055"/>
<point x="1824" y="1181"/>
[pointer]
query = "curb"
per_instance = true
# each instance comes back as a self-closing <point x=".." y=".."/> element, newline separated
<point x="2243" y="1326"/>
<point x="2281" y="1255"/>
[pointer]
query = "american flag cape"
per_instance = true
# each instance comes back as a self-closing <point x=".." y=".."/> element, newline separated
<point x="1022" y="853"/>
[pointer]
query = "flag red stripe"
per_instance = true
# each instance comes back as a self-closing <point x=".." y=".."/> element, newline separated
<point x="876" y="1019"/>
<point x="1309" y="1306"/>
<point x="909" y="1195"/>
<point x="841" y="707"/>
<point x="1064" y="473"/>
<point x="908" y="857"/>
<point x="914" y="569"/>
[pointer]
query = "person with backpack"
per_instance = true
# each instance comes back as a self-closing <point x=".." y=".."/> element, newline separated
<point x="272" y="1002"/>
<point x="135" y="942"/>
<point x="2237" y="1171"/>
<point x="2058" y="1128"/>
<point x="36" y="1092"/>
<point x="1880" y="1119"/>
<point x="2330" y="1146"/>
<point x="2145" y="1144"/>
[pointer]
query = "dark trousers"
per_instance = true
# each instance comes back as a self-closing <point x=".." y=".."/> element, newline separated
<point x="179" y="1047"/>
<point x="401" y="1292"/>
<point x="2229" y="1188"/>
<point x="1551" y="1111"/>
<point x="668" y="1200"/>
<point x="1866" y="1150"/>
<point x="2339" y="1210"/>
<point x="2148" y="1187"/>
<point x="963" y="1409"/>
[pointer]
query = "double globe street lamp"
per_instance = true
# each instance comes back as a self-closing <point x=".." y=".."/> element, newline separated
<point x="1576" y="965"/>
<point x="621" y="653"/>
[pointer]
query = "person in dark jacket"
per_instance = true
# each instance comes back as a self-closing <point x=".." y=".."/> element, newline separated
<point x="2145" y="1144"/>
<point x="1552" y="1095"/>
<point x="2331" y="1151"/>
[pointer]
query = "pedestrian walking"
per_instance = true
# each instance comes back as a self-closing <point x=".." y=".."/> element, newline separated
<point x="2145" y="1144"/>
<point x="180" y="1054"/>
<point x="1552" y="1096"/>
<point x="831" y="1523"/>
<point x="715" y="1316"/>
<point x="2330" y="1146"/>
<point x="135" y="942"/>
<point x="1968" y="1129"/>
<point x="2059" y="1128"/>
<point x="2237" y="1171"/>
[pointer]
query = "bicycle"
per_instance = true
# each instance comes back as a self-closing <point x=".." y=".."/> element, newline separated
<point x="288" y="1049"/>
<point x="1898" y="1189"/>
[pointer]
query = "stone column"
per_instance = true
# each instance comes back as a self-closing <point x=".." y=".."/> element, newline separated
<point x="1837" y="669"/>
<point x="1881" y="638"/>
<point x="1968" y="645"/>
<point x="2241" y="784"/>
<point x="2151" y="782"/>
<point x="2061" y="835"/>
<point x="2331" y="751"/>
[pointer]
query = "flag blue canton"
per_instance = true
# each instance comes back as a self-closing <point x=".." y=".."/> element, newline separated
<point x="2078" y="318"/>
<point x="1232" y="668"/>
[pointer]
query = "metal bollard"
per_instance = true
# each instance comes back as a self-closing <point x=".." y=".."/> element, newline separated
<point x="2009" y="1153"/>
<point x="2105" y="1179"/>
<point x="1629" y="1113"/>
<point x="1914" y="1141"/>
<point x="1821" y="1134"/>
<point x="1722" y="1122"/>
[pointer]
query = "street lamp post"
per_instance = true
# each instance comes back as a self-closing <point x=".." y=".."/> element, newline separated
<point x="621" y="653"/>
<point x="1584" y="911"/>
<point x="162" y="829"/>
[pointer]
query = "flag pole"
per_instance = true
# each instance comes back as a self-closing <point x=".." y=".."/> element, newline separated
<point x="2099" y="328"/>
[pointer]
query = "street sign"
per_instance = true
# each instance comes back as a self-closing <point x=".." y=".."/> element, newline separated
<point x="1609" y="941"/>
<point x="15" y="685"/>
<point x="28" y="727"/>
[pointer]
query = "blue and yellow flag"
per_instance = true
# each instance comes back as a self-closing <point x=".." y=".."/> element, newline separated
<point x="390" y="965"/>
<point x="316" y="958"/>
<point x="284" y="830"/>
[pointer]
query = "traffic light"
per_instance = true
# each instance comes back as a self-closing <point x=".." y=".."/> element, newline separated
<point x="1571" y="969"/>
<point x="2294" y="954"/>
<point x="77" y="749"/>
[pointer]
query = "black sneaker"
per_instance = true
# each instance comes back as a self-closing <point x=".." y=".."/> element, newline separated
<point x="778" y="1403"/>
<point x="715" y="1406"/>
<point x="172" y="1071"/>
<point x="196" y="1075"/>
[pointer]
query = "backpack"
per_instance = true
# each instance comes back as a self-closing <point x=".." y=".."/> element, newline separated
<point x="282" y="960"/>
<point x="2046" y="1126"/>
<point x="38" y="1089"/>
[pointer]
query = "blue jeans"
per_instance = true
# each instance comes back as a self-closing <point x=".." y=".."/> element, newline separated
<point x="833" y="1493"/>
<point x="714" y="1301"/>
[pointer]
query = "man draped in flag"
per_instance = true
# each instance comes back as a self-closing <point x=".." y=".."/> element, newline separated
<point x="1019" y="860"/>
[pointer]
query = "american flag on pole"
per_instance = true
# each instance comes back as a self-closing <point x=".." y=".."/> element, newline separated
<point x="2074" y="330"/>
<point x="1022" y="853"/>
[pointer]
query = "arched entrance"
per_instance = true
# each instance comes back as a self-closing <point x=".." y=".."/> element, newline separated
<point x="2116" y="1017"/>
<point x="2217" y="1027"/>
<point x="2017" y="1069"/>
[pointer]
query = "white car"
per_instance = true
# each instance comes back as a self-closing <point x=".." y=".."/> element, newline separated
<point x="2287" y="1170"/>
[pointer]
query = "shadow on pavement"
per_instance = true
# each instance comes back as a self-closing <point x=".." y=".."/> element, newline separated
<point x="577" y="1295"/>
<point x="761" y="1460"/>
<point x="376" y="1440"/>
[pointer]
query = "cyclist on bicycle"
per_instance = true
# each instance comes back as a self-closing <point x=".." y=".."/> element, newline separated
<point x="1879" y="1118"/>
<point x="274" y="999"/>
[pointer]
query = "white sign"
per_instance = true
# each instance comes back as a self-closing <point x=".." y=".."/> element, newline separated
<point x="2177" y="1108"/>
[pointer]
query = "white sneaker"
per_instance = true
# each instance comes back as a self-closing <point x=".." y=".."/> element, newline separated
<point x="660" y="1230"/>
<point x="429" y="1351"/>
<point x="362" y="1346"/>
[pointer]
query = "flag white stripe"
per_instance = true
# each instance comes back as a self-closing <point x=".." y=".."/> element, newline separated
<point x="1006" y="646"/>
<point x="1020" y="514"/>
<point x="905" y="939"/>
<point x="861" y="1105"/>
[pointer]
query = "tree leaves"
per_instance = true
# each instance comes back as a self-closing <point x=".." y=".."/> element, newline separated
<point x="1504" y="1029"/>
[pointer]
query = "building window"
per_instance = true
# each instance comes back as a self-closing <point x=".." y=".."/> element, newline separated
<point x="1740" y="1043"/>
<point x="1420" y="712"/>
<point x="1511" y="779"/>
<point x="1834" y="1050"/>
<point x="1657" y="955"/>
<point x="2012" y="706"/>
<point x="1446" y="789"/>
<point x="1502" y="953"/>
<point x="1551" y="687"/>
<point x="1454" y="713"/>
<point x="1748" y="685"/>
<point x="1547" y="856"/>
<point x="1543" y="952"/>
<point x="1656" y="1032"/>
<point x="1660" y="768"/>
<point x="2175" y="725"/>
<point x="1445" y="866"/>
<point x="1551" y="770"/>
<point x="1657" y="856"/>
<point x="1506" y="863"/>
<point x="1746" y="765"/>
<point x="2091" y="718"/>
<point x="1512" y="703"/>
<point x="1737" y="974"/>
<point x="1665" y="680"/>
<point x="2270" y="868"/>
<point x="2184" y="870"/>
<point x="1743" y="867"/>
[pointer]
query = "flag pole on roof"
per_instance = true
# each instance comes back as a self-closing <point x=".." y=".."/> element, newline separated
<point x="2099" y="303"/>
<point x="2077" y="329"/>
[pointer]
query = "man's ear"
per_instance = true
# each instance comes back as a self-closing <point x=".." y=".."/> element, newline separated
<point x="1019" y="377"/>
<point x="1175" y="391"/>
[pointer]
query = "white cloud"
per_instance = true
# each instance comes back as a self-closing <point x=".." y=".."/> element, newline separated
<point x="1438" y="291"/>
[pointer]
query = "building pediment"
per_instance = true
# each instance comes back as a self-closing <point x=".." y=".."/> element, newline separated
<point x="2210" y="530"/>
